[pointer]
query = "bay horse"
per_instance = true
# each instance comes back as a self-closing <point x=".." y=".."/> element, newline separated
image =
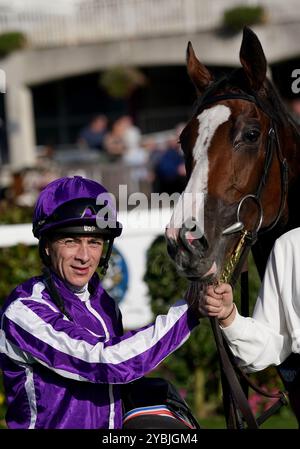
<point x="242" y="155"/>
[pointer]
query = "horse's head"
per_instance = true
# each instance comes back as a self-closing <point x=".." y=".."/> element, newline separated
<point x="232" y="149"/>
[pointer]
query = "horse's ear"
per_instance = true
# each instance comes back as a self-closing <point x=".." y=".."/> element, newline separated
<point x="198" y="73"/>
<point x="253" y="59"/>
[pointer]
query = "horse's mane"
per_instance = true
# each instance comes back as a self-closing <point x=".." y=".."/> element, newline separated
<point x="280" y="110"/>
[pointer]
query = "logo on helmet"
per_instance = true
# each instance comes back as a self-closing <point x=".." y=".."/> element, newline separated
<point x="89" y="228"/>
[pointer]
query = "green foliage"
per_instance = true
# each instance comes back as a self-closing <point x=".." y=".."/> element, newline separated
<point x="120" y="81"/>
<point x="13" y="214"/>
<point x="285" y="419"/>
<point x="163" y="282"/>
<point x="11" y="41"/>
<point x="18" y="263"/>
<point x="236" y="18"/>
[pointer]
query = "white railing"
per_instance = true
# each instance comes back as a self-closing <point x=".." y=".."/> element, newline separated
<point x="102" y="20"/>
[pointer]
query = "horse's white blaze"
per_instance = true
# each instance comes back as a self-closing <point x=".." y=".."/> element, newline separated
<point x="191" y="202"/>
<point x="209" y="121"/>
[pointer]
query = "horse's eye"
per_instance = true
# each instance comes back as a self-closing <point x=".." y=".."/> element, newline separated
<point x="251" y="135"/>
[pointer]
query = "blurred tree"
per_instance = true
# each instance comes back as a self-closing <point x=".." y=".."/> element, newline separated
<point x="11" y="41"/>
<point x="13" y="214"/>
<point x="234" y="19"/>
<point x="121" y="81"/>
<point x="18" y="263"/>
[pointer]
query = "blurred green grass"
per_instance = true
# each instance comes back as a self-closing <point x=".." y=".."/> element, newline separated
<point x="283" y="420"/>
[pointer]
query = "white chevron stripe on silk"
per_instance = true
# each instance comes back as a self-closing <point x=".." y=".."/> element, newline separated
<point x="130" y="347"/>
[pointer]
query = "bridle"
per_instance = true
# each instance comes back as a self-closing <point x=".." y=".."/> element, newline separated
<point x="237" y="409"/>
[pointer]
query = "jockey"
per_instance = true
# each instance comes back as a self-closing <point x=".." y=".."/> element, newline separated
<point x="62" y="348"/>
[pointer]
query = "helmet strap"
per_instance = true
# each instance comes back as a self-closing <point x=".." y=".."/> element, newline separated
<point x="50" y="286"/>
<point x="104" y="260"/>
<point x="42" y="251"/>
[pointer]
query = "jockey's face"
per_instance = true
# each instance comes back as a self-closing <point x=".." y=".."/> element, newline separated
<point x="75" y="258"/>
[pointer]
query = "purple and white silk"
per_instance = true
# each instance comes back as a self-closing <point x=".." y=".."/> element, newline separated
<point x="67" y="374"/>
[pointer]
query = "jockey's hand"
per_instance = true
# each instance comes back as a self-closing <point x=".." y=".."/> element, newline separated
<point x="217" y="301"/>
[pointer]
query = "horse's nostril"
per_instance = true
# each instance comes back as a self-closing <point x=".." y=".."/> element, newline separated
<point x="194" y="228"/>
<point x="204" y="243"/>
<point x="193" y="238"/>
<point x="190" y="236"/>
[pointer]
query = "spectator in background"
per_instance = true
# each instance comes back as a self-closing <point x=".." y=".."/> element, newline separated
<point x="154" y="152"/>
<point x="114" y="142"/>
<point x="134" y="154"/>
<point x="94" y="134"/>
<point x="124" y="142"/>
<point x="28" y="182"/>
<point x="170" y="171"/>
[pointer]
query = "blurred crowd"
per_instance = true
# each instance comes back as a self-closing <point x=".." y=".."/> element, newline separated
<point x="116" y="140"/>
<point x="157" y="162"/>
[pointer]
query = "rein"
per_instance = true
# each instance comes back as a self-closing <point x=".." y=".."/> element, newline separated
<point x="236" y="406"/>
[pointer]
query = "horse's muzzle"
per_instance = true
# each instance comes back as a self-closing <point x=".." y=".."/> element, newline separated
<point x="188" y="247"/>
